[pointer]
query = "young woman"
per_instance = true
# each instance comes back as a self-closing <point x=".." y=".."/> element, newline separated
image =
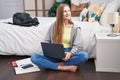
<point x="65" y="32"/>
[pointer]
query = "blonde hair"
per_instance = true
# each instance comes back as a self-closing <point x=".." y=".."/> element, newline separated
<point x="59" y="24"/>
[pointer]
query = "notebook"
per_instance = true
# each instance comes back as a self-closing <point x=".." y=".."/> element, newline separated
<point x="53" y="50"/>
<point x="23" y="66"/>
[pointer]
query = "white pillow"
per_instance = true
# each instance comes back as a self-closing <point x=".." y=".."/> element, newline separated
<point x="83" y="15"/>
<point x="111" y="7"/>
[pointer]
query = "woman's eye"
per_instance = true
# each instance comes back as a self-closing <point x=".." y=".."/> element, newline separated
<point x="65" y="11"/>
<point x="68" y="11"/>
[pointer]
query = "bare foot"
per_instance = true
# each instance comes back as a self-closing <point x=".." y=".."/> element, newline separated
<point x="72" y="68"/>
<point x="68" y="68"/>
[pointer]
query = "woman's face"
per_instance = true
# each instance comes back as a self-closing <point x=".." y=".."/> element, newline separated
<point x="66" y="13"/>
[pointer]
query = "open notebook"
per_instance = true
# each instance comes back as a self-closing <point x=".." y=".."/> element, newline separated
<point x="24" y="66"/>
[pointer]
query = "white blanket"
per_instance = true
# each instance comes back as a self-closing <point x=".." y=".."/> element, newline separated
<point x="26" y="40"/>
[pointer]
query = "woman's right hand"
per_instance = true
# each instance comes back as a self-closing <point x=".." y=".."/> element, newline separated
<point x="68" y="56"/>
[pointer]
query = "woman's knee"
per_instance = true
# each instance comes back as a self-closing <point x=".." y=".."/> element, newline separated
<point x="34" y="57"/>
<point x="83" y="56"/>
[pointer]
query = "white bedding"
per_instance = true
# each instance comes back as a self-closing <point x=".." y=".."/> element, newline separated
<point x="26" y="40"/>
<point x="88" y="31"/>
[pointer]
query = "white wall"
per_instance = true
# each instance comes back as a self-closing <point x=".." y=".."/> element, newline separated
<point x="9" y="7"/>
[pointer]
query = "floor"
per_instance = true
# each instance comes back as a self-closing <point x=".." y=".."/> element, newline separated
<point x="84" y="72"/>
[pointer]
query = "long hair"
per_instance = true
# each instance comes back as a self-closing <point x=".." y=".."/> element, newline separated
<point x="59" y="24"/>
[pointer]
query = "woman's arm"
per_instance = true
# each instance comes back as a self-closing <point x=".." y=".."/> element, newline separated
<point x="48" y="37"/>
<point x="76" y="42"/>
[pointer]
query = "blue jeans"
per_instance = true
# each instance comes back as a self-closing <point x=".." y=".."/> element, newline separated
<point x="41" y="61"/>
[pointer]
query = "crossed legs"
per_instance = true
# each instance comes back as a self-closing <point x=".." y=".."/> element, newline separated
<point x="70" y="65"/>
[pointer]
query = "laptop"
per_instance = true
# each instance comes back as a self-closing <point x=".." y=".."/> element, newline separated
<point x="53" y="50"/>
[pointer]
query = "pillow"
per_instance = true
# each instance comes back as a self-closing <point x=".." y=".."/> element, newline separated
<point x="83" y="15"/>
<point x="92" y="6"/>
<point x="95" y="15"/>
<point x="110" y="7"/>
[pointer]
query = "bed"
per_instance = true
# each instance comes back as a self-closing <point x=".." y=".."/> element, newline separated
<point x="17" y="40"/>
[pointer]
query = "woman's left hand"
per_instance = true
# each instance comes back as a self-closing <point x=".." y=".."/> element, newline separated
<point x="68" y="56"/>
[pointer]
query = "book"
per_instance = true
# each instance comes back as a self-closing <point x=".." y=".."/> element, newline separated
<point x="24" y="66"/>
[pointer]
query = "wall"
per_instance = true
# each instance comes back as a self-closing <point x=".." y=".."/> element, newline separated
<point x="9" y="7"/>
